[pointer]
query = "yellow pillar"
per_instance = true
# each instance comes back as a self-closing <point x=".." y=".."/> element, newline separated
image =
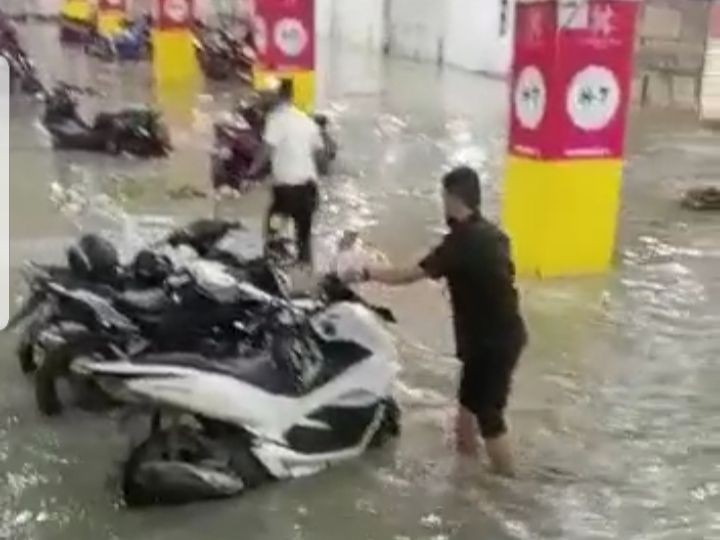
<point x="570" y="94"/>
<point x="174" y="59"/>
<point x="77" y="10"/>
<point x="285" y="38"/>
<point x="177" y="104"/>
<point x="112" y="14"/>
<point x="80" y="10"/>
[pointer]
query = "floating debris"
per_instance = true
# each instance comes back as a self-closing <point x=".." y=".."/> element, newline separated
<point x="702" y="198"/>
<point x="186" y="192"/>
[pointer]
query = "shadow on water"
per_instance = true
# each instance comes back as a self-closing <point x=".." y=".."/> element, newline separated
<point x="615" y="405"/>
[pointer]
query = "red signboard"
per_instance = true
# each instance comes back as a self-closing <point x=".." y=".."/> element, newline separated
<point x="714" y="26"/>
<point x="285" y="34"/>
<point x="577" y="80"/>
<point x="173" y="14"/>
<point x="535" y="31"/>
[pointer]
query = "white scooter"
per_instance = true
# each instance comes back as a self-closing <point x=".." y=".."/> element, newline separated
<point x="321" y="393"/>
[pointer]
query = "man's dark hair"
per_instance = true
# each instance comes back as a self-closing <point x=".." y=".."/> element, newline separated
<point x="463" y="183"/>
<point x="286" y="90"/>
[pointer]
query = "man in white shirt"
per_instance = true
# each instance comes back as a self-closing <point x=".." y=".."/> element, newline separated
<point x="292" y="141"/>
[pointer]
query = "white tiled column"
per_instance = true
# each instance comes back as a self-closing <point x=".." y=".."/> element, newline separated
<point x="710" y="89"/>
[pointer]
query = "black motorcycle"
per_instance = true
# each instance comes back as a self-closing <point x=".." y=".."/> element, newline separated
<point x="133" y="43"/>
<point x="238" y="139"/>
<point x="221" y="56"/>
<point x="23" y="75"/>
<point x="236" y="143"/>
<point x="94" y="307"/>
<point x="137" y="131"/>
<point x="93" y="264"/>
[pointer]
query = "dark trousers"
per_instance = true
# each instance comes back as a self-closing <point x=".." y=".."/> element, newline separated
<point x="299" y="203"/>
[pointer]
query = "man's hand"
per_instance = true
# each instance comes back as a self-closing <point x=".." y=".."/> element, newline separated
<point x="387" y="276"/>
<point x="354" y="275"/>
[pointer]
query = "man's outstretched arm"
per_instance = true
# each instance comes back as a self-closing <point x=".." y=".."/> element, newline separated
<point x="394" y="275"/>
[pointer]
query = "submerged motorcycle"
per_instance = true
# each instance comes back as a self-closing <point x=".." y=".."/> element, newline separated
<point x="138" y="131"/>
<point x="193" y="311"/>
<point x="93" y="305"/>
<point x="133" y="43"/>
<point x="221" y="56"/>
<point x="319" y="394"/>
<point x="238" y="138"/>
<point x="23" y="75"/>
<point x="77" y="22"/>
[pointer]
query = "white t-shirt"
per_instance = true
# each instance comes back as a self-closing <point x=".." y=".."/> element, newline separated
<point x="294" y="138"/>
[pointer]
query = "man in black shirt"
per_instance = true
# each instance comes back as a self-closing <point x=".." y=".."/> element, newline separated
<point x="474" y="258"/>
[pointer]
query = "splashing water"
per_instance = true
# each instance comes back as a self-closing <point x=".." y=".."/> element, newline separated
<point x="90" y="210"/>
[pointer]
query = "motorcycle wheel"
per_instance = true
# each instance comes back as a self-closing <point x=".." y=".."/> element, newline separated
<point x="26" y="352"/>
<point x="389" y="426"/>
<point x="154" y="473"/>
<point x="46" y="394"/>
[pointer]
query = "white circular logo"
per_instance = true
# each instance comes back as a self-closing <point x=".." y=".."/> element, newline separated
<point x="290" y="36"/>
<point x="261" y="34"/>
<point x="593" y="98"/>
<point x="177" y="10"/>
<point x="530" y="97"/>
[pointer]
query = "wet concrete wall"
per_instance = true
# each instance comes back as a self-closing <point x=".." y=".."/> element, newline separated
<point x="468" y="34"/>
<point x="359" y="24"/>
<point x="670" y="53"/>
<point x="478" y="35"/>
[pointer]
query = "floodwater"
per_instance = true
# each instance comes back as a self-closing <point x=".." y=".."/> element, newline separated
<point x="615" y="409"/>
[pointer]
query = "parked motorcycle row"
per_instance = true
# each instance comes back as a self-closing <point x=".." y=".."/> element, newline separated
<point x="141" y="131"/>
<point x="138" y="131"/>
<point x="132" y="44"/>
<point x="238" y="138"/>
<point x="23" y="75"/>
<point x="238" y="382"/>
<point x="221" y="55"/>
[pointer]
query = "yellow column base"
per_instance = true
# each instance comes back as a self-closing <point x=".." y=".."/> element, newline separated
<point x="174" y="59"/>
<point x="562" y="215"/>
<point x="303" y="85"/>
<point x="77" y="10"/>
<point x="110" y="22"/>
<point x="177" y="101"/>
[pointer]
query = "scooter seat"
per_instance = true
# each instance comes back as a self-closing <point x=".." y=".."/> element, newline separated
<point x="151" y="301"/>
<point x="68" y="129"/>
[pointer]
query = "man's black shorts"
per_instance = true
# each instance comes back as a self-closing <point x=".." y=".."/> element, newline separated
<point x="485" y="385"/>
<point x="294" y="200"/>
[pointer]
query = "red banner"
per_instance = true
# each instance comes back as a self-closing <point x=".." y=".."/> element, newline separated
<point x="531" y="81"/>
<point x="571" y="90"/>
<point x="173" y="14"/>
<point x="285" y="34"/>
<point x="714" y="26"/>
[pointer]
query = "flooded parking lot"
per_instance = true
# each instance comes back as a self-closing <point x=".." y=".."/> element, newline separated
<point x="615" y="409"/>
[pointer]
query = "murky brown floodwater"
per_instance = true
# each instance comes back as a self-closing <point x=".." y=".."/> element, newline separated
<point x="616" y="404"/>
